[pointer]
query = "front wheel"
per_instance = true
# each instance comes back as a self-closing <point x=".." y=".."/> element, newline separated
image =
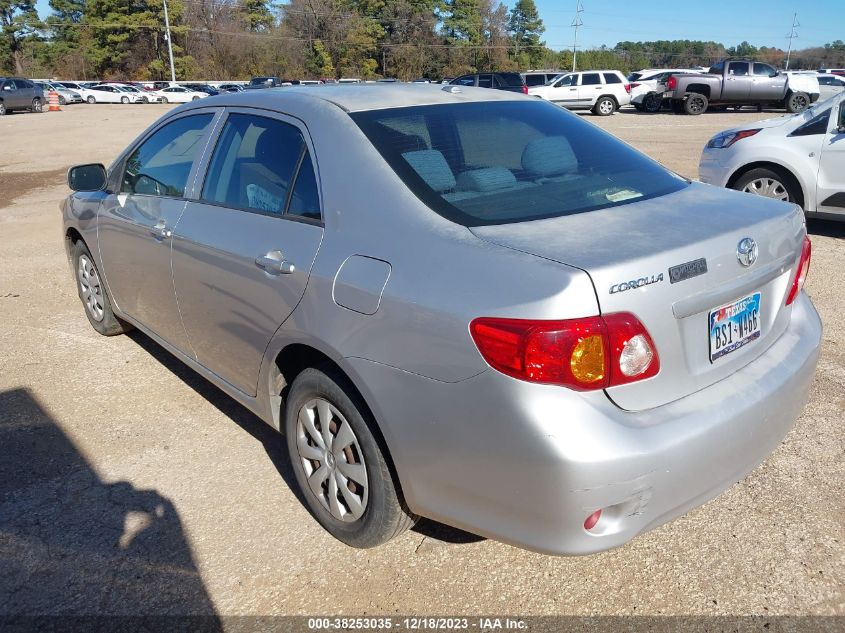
<point x="341" y="469"/>
<point x="695" y="104"/>
<point x="797" y="102"/>
<point x="194" y="98"/>
<point x="2" y="109"/>
<point x="767" y="183"/>
<point x="93" y="293"/>
<point x="605" y="106"/>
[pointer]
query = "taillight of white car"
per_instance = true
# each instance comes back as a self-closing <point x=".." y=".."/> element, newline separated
<point x="582" y="354"/>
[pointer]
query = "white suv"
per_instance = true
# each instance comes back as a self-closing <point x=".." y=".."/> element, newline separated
<point x="602" y="91"/>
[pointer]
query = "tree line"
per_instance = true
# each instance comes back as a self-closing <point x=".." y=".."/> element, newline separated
<point x="236" y="39"/>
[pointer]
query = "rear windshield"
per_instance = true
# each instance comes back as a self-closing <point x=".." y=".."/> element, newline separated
<point x="510" y="161"/>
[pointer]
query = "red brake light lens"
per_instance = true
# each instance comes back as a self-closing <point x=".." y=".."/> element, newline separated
<point x="524" y="89"/>
<point x="628" y="87"/>
<point x="582" y="354"/>
<point x="671" y="83"/>
<point x="801" y="271"/>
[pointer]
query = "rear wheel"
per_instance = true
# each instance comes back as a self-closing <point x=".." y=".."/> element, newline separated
<point x="769" y="184"/>
<point x="797" y="102"/>
<point x="91" y="99"/>
<point x="695" y="104"/>
<point x="37" y="106"/>
<point x="339" y="465"/>
<point x="124" y="99"/>
<point x="164" y="99"/>
<point x="194" y="98"/>
<point x="652" y="102"/>
<point x="2" y="108"/>
<point x="605" y="106"/>
<point x="92" y="293"/>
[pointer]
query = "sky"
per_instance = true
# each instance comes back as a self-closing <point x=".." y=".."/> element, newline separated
<point x="760" y="22"/>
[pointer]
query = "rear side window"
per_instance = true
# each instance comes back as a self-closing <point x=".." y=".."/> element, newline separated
<point x="510" y="79"/>
<point x="763" y="70"/>
<point x="485" y="81"/>
<point x="590" y="79"/>
<point x="511" y="161"/>
<point x="535" y="80"/>
<point x="254" y="165"/>
<point x="160" y="166"/>
<point x="612" y="78"/>
<point x="738" y="69"/>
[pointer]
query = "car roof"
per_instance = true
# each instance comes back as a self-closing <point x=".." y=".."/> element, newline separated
<point x="363" y="97"/>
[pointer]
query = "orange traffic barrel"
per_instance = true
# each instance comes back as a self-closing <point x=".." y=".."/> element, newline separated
<point x="53" y="100"/>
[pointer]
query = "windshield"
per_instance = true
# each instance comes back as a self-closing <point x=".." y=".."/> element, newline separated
<point x="512" y="161"/>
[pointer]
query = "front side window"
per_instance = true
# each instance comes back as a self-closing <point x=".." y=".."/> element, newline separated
<point x="568" y="80"/>
<point x="591" y="79"/>
<point x="511" y="161"/>
<point x="466" y="80"/>
<point x="160" y="166"/>
<point x="254" y="165"/>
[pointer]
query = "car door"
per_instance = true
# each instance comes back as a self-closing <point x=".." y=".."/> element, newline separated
<point x="737" y="82"/>
<point x="565" y="90"/>
<point x="830" y="187"/>
<point x="590" y="89"/>
<point x="12" y="95"/>
<point x="136" y="221"/>
<point x="766" y="83"/>
<point x="243" y="250"/>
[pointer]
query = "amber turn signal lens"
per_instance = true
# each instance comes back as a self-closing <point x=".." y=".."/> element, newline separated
<point x="587" y="360"/>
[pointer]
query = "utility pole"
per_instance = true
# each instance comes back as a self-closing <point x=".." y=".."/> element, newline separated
<point x="792" y="35"/>
<point x="169" y="44"/>
<point x="576" y="22"/>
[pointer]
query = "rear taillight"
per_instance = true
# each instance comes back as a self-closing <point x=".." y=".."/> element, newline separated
<point x="801" y="271"/>
<point x="524" y="89"/>
<point x="628" y="88"/>
<point x="671" y="83"/>
<point x="583" y="354"/>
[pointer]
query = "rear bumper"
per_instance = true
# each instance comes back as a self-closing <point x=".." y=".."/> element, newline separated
<point x="526" y="464"/>
<point x="716" y="166"/>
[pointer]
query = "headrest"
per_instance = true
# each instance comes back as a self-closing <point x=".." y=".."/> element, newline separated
<point x="549" y="156"/>
<point x="486" y="179"/>
<point x="431" y="167"/>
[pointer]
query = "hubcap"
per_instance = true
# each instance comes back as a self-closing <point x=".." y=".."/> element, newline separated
<point x="768" y="188"/>
<point x="332" y="459"/>
<point x="90" y="288"/>
<point x="799" y="102"/>
<point x="606" y="107"/>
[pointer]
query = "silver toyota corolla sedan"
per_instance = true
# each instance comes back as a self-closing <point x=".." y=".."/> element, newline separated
<point x="457" y="303"/>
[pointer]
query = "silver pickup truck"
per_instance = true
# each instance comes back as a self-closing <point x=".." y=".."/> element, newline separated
<point x="735" y="83"/>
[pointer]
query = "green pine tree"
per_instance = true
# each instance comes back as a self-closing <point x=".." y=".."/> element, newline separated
<point x="526" y="28"/>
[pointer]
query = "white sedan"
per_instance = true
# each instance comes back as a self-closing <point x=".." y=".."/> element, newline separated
<point x="179" y="94"/>
<point x="103" y="93"/>
<point x="798" y="158"/>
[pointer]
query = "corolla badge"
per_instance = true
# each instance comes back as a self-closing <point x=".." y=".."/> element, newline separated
<point x="746" y="251"/>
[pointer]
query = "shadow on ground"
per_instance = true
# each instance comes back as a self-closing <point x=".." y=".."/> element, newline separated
<point x="827" y="228"/>
<point x="72" y="544"/>
<point x="272" y="442"/>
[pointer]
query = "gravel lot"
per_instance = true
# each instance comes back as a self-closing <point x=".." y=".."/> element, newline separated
<point x="130" y="485"/>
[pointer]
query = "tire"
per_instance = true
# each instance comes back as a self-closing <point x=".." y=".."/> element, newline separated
<point x="695" y="104"/>
<point x="62" y="100"/>
<point x="124" y="100"/>
<point x="37" y="105"/>
<point x="92" y="292"/>
<point x="164" y="100"/>
<point x="194" y="98"/>
<point x="605" y="106"/>
<point x="769" y="183"/>
<point x="373" y="494"/>
<point x="91" y="99"/>
<point x="797" y="102"/>
<point x="652" y="102"/>
<point x="2" y="109"/>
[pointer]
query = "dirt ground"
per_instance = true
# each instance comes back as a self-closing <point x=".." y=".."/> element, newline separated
<point x="130" y="485"/>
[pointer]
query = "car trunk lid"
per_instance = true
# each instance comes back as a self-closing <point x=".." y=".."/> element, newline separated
<point x="628" y="252"/>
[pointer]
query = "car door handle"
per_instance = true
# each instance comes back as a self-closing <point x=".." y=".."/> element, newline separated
<point x="160" y="231"/>
<point x="275" y="264"/>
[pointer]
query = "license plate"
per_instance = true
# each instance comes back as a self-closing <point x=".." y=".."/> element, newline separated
<point x="734" y="325"/>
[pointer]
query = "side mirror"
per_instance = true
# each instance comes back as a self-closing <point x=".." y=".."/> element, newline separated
<point x="91" y="177"/>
